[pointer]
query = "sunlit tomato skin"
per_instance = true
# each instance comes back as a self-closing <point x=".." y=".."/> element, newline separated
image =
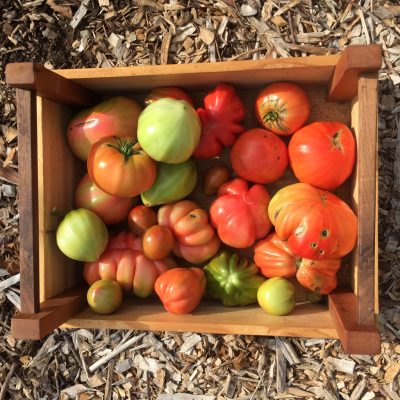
<point x="214" y="178"/>
<point x="158" y="242"/>
<point x="111" y="209"/>
<point x="181" y="289"/>
<point x="277" y="296"/>
<point x="282" y="107"/>
<point x="323" y="154"/>
<point x="117" y="116"/>
<point x="240" y="213"/>
<point x="274" y="258"/>
<point x="316" y="224"/>
<point x="169" y="92"/>
<point x="120" y="167"/>
<point x="259" y="156"/>
<point x="104" y="296"/>
<point x="141" y="218"/>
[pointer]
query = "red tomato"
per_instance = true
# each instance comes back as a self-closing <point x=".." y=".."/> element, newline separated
<point x="259" y="156"/>
<point x="181" y="289"/>
<point x="158" y="242"/>
<point x="316" y="224"/>
<point x="169" y="92"/>
<point x="323" y="154"/>
<point x="117" y="116"/>
<point x="141" y="218"/>
<point x="111" y="209"/>
<point x="282" y="107"/>
<point x="240" y="214"/>
<point x="120" y="167"/>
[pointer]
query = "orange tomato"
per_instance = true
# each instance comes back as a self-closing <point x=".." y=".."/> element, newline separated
<point x="158" y="242"/>
<point x="181" y="289"/>
<point x="282" y="107"/>
<point x="120" y="167"/>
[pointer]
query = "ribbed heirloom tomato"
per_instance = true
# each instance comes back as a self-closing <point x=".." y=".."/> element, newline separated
<point x="120" y="167"/>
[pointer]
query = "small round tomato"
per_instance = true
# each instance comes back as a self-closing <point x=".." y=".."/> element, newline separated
<point x="120" y="167"/>
<point x="104" y="296"/>
<point x="323" y="154"/>
<point x="141" y="218"/>
<point x="214" y="178"/>
<point x="282" y="107"/>
<point x="82" y="235"/>
<point x="276" y="296"/>
<point x="111" y="209"/>
<point x="169" y="92"/>
<point x="259" y="156"/>
<point x="158" y="242"/>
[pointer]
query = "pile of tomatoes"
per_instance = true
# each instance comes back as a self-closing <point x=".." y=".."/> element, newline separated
<point x="169" y="244"/>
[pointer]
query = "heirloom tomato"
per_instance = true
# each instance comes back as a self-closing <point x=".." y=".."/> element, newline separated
<point x="117" y="116"/>
<point x="104" y="296"/>
<point x="259" y="156"/>
<point x="316" y="224"/>
<point x="282" y="107"/>
<point x="111" y="209"/>
<point x="323" y="154"/>
<point x="82" y="235"/>
<point x="141" y="218"/>
<point x="158" y="242"/>
<point x="277" y="296"/>
<point x="181" y="289"/>
<point x="240" y="214"/>
<point x="169" y="92"/>
<point x="120" y="167"/>
<point x="214" y="178"/>
<point x="169" y="130"/>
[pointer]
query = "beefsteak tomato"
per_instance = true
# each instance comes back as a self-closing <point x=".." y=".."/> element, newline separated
<point x="316" y="224"/>
<point x="117" y="116"/>
<point x="195" y="238"/>
<point x="323" y="154"/>
<point x="120" y="167"/>
<point x="111" y="209"/>
<point x="282" y="107"/>
<point x="181" y="289"/>
<point x="259" y="156"/>
<point x="240" y="214"/>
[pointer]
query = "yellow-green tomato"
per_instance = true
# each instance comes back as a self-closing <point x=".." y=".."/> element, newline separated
<point x="82" y="235"/>
<point x="276" y="296"/>
<point x="104" y="296"/>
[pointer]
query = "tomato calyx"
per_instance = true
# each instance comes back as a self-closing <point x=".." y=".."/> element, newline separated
<point x="127" y="147"/>
<point x="336" y="141"/>
<point x="274" y="117"/>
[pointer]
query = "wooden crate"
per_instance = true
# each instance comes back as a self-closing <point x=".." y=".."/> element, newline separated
<point x="341" y="87"/>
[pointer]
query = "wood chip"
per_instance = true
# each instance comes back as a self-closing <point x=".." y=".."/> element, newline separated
<point x="166" y="41"/>
<point x="189" y="343"/>
<point x="340" y="364"/>
<point x="206" y="35"/>
<point x="80" y="14"/>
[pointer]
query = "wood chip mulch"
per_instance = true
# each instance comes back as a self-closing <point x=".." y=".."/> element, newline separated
<point x="108" y="364"/>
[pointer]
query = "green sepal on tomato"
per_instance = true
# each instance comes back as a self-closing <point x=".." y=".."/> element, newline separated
<point x="232" y="279"/>
<point x="120" y="167"/>
<point x="169" y="130"/>
<point x="173" y="182"/>
<point x="117" y="116"/>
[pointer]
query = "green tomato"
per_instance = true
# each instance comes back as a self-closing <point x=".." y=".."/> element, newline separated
<point x="104" y="296"/>
<point x="169" y="130"/>
<point x="82" y="235"/>
<point x="232" y="280"/>
<point x="173" y="182"/>
<point x="276" y="296"/>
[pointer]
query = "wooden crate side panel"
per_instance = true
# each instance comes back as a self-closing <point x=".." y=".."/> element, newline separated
<point x="364" y="198"/>
<point x="58" y="173"/>
<point x="307" y="320"/>
<point x="310" y="70"/>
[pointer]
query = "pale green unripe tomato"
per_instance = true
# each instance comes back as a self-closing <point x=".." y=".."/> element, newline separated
<point x="104" y="296"/>
<point x="82" y="235"/>
<point x="169" y="130"/>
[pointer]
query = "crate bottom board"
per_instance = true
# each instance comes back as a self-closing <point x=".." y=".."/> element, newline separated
<point x="306" y="320"/>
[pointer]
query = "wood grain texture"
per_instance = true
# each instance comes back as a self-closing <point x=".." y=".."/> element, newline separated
<point x="355" y="339"/>
<point x="353" y="60"/>
<point x="46" y="83"/>
<point x="306" y="70"/>
<point x="27" y="156"/>
<point x="307" y="320"/>
<point x="52" y="314"/>
<point x="59" y="172"/>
